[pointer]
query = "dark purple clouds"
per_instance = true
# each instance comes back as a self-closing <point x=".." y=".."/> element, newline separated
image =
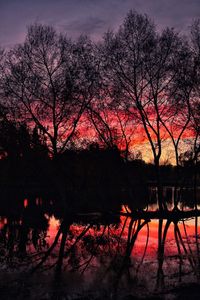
<point x="91" y="17"/>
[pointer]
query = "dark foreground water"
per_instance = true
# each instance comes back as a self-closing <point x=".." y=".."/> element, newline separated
<point x="93" y="255"/>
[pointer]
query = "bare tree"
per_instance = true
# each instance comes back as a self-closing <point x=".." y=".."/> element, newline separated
<point x="195" y="43"/>
<point x="195" y="109"/>
<point x="180" y="95"/>
<point x="138" y="63"/>
<point x="49" y="81"/>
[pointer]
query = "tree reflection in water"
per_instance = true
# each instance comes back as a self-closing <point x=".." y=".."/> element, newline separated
<point x="119" y="248"/>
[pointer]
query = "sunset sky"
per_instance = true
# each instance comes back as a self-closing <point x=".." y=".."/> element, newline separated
<point x="92" y="17"/>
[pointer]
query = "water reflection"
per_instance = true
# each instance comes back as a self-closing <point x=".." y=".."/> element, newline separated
<point x="122" y="249"/>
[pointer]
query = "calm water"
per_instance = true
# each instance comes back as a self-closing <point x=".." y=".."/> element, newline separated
<point x="124" y="254"/>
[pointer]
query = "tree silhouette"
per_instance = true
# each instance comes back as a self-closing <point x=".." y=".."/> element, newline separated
<point x="139" y="65"/>
<point x="50" y="80"/>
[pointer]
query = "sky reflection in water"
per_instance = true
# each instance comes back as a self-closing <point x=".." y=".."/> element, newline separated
<point x="101" y="244"/>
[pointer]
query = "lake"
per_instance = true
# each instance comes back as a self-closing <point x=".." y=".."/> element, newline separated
<point x="96" y="255"/>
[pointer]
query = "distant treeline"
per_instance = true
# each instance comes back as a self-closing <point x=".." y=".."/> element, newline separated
<point x="95" y="178"/>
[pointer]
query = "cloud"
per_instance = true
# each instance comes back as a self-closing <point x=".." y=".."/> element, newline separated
<point x="92" y="17"/>
<point x="89" y="26"/>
